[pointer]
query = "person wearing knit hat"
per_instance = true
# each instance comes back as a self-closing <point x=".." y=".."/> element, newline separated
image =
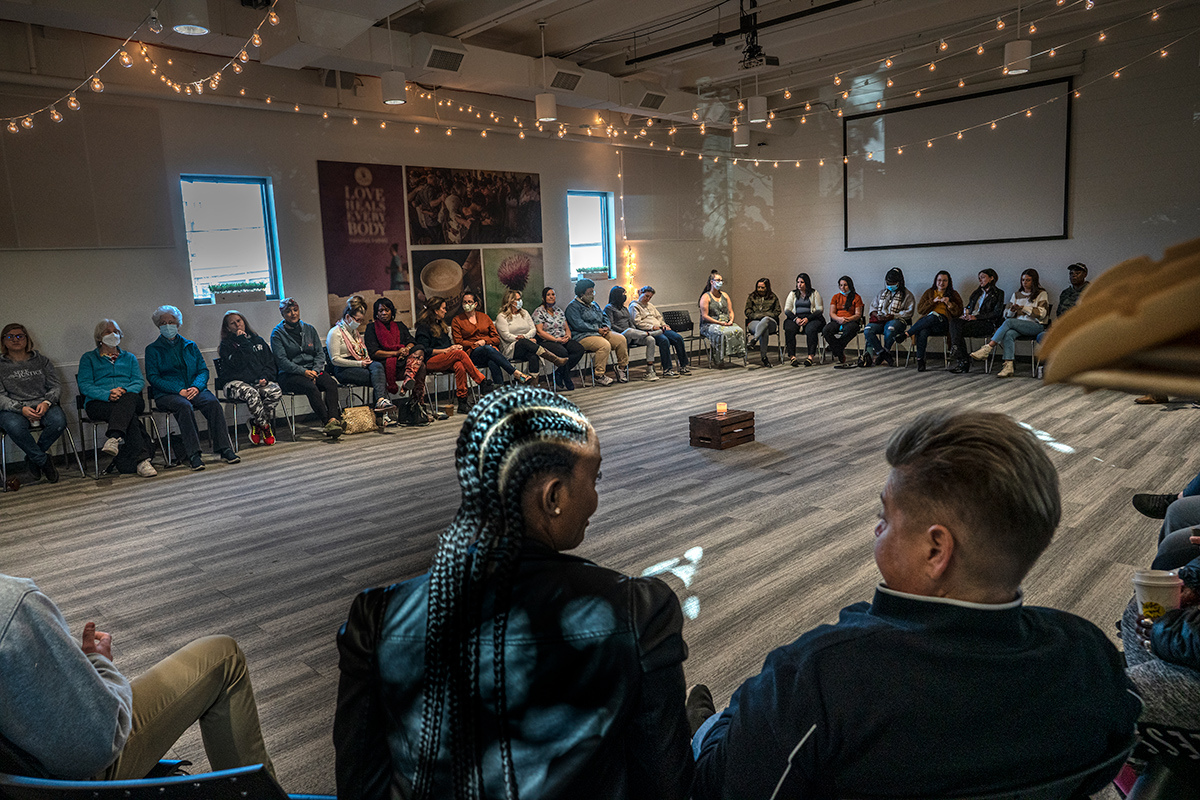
<point x="590" y="328"/>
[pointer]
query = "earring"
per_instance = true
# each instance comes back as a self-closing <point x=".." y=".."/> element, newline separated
<point x="557" y="511"/>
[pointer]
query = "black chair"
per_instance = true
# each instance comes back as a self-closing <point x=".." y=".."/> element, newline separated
<point x="352" y="389"/>
<point x="681" y="323"/>
<point x="242" y="783"/>
<point x="145" y="416"/>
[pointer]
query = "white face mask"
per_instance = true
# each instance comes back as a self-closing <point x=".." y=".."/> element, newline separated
<point x="352" y="324"/>
<point x="111" y="339"/>
<point x="517" y="306"/>
<point x="717" y="285"/>
<point x="468" y="307"/>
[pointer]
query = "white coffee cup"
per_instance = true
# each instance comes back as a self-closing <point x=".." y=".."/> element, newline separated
<point x="1157" y="591"/>
<point x="443" y="278"/>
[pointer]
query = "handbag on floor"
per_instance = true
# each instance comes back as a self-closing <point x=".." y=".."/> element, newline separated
<point x="359" y="419"/>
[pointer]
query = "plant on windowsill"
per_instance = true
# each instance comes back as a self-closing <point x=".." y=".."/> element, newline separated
<point x="238" y="292"/>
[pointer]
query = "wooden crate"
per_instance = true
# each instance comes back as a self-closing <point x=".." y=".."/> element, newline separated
<point x="721" y="431"/>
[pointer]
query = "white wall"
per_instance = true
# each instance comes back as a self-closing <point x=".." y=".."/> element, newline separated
<point x="1135" y="146"/>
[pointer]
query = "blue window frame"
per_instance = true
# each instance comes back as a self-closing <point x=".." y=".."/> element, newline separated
<point x="590" y="234"/>
<point x="231" y="236"/>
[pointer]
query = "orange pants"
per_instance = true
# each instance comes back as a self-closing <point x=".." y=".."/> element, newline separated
<point x="458" y="362"/>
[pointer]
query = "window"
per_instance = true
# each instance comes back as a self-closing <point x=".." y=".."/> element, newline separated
<point x="230" y="225"/>
<point x="590" y="234"/>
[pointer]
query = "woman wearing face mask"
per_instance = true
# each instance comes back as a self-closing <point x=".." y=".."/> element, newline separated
<point x="352" y="364"/>
<point x="648" y="318"/>
<point x="247" y="373"/>
<point x="476" y="332"/>
<point x="29" y="390"/>
<point x="300" y="356"/>
<point x="762" y="316"/>
<point x="804" y="313"/>
<point x="983" y="314"/>
<point x="518" y="335"/>
<point x="555" y="335"/>
<point x="443" y="355"/>
<point x="111" y="382"/>
<point x="717" y="322"/>
<point x="514" y="668"/>
<point x="1025" y="315"/>
<point x="845" y="320"/>
<point x="891" y="312"/>
<point x="178" y="380"/>
<point x="620" y="321"/>
<point x="938" y="305"/>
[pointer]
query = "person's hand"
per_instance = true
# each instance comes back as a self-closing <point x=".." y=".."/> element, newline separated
<point x="311" y="374"/>
<point x="29" y="413"/>
<point x="262" y="381"/>
<point x="42" y="408"/>
<point x="968" y="317"/>
<point x="1142" y="629"/>
<point x="95" y="641"/>
<point x="456" y="347"/>
<point x="115" y="394"/>
<point x="604" y="329"/>
<point x="1188" y="597"/>
<point x="802" y="321"/>
<point x="189" y="393"/>
<point x="403" y="351"/>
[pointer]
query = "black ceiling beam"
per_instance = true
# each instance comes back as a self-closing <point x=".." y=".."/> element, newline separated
<point x="719" y="38"/>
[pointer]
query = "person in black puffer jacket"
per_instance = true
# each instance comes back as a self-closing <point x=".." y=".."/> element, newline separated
<point x="247" y="373"/>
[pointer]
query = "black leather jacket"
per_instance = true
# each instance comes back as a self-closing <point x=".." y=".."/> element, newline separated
<point x="595" y="687"/>
<point x="992" y="309"/>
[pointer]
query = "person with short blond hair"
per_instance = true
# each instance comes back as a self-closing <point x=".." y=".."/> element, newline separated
<point x="29" y="395"/>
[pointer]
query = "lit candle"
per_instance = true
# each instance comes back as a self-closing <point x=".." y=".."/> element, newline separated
<point x="722" y="408"/>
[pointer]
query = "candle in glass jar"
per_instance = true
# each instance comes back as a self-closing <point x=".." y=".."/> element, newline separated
<point x="722" y="408"/>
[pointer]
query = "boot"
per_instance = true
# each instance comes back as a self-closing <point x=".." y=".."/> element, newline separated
<point x="982" y="353"/>
<point x="962" y="367"/>
<point x="1006" y="371"/>
<point x="920" y="365"/>
<point x="557" y="361"/>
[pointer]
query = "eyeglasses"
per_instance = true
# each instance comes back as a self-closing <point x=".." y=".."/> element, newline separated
<point x="16" y="337"/>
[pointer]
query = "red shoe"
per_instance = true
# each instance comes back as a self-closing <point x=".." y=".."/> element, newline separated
<point x="256" y="436"/>
<point x="269" y="435"/>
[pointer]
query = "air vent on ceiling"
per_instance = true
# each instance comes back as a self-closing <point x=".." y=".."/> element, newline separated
<point x="567" y="81"/>
<point x="437" y="52"/>
<point x="652" y="100"/>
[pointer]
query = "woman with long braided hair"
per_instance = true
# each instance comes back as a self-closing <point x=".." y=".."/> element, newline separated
<point x="512" y="670"/>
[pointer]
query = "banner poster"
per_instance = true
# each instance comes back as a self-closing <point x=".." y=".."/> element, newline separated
<point x="446" y="273"/>
<point x="363" y="226"/>
<point x="517" y="268"/>
<point x="473" y="206"/>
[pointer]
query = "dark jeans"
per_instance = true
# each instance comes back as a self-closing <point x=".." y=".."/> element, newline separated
<point x="374" y="376"/>
<point x="762" y="329"/>
<point x="666" y="339"/>
<point x="1174" y="540"/>
<point x="812" y="329"/>
<point x="960" y="329"/>
<point x="890" y="330"/>
<point x="184" y="411"/>
<point x="487" y="357"/>
<point x="926" y="326"/>
<point x="838" y="334"/>
<point x="123" y="424"/>
<point x="20" y="431"/>
<point x="322" y="393"/>
<point x="526" y="350"/>
<point x="571" y="350"/>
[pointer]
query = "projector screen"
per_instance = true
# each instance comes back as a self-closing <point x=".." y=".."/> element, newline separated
<point x="1001" y="184"/>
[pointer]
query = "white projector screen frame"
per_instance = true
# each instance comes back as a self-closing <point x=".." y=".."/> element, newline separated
<point x="993" y="185"/>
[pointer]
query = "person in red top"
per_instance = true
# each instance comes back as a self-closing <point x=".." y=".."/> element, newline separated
<point x="845" y="318"/>
<point x="477" y="334"/>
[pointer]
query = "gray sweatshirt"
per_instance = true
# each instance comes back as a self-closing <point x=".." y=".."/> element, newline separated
<point x="70" y="711"/>
<point x="27" y="383"/>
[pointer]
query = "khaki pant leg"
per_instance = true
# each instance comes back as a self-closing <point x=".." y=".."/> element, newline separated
<point x="205" y="681"/>
<point x="599" y="347"/>
<point x="617" y="342"/>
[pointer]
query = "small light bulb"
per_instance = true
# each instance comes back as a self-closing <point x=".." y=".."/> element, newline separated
<point x="12" y="128"/>
<point x="97" y="84"/>
<point x="324" y="115"/>
<point x="961" y="83"/>
<point x="1117" y="74"/>
<point x="942" y="45"/>
<point x="483" y="134"/>
<point x="125" y="60"/>
<point x="889" y="83"/>
<point x="27" y="123"/>
<point x="650" y="123"/>
<point x="256" y="40"/>
<point x="1162" y="53"/>
<point x="808" y="106"/>
<point x="382" y="124"/>
<point x="701" y="128"/>
<point x="1077" y="94"/>
<point x="521" y="135"/>
<point x="296" y="107"/>
<point x="1032" y="28"/>
<point x="899" y="151"/>
<point x="839" y="112"/>
<point x="932" y="66"/>
<point x="797" y="163"/>
<point x="170" y="62"/>
<point x="845" y="95"/>
<point x="449" y="132"/>
<point x="200" y="90"/>
<point x="237" y="68"/>
<point x="787" y="94"/>
<point x="1089" y="5"/>
<point x="821" y="163"/>
<point x="695" y="115"/>
<point x="837" y="80"/>
<point x="917" y="93"/>
<point x="212" y="84"/>
<point x="273" y="18"/>
<point x="887" y="62"/>
<point x="741" y="106"/>
<point x="54" y="115"/>
<point x="775" y="165"/>
<point x="845" y="159"/>
<point x="700" y="156"/>
<point x="1053" y="52"/>
<point x="72" y="102"/>
<point x="1154" y="15"/>
<point x="993" y="125"/>
<point x="354" y="120"/>
<point x="999" y="24"/>
<point x="870" y="155"/>
<point x="768" y="124"/>
<point x="672" y="131"/>
<point x="1103" y="36"/>
<point x="960" y="134"/>
<point x="771" y="115"/>
<point x="929" y="143"/>
<point x="803" y="120"/>
<point x="155" y="24"/>
<point x="879" y="104"/>
<point x="188" y="90"/>
<point x="179" y="89"/>
<point x="979" y="50"/>
<point x="268" y="99"/>
<point x="243" y="56"/>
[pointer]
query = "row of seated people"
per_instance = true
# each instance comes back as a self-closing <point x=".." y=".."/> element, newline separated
<point x="940" y="311"/>
<point x="516" y="669"/>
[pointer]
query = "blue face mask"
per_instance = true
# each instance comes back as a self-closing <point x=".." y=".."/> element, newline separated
<point x="169" y="331"/>
<point x="893" y="287"/>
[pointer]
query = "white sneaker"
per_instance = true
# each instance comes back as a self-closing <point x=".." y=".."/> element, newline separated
<point x="670" y="374"/>
<point x="650" y="375"/>
<point x="622" y="375"/>
<point x="112" y="445"/>
<point x="145" y="469"/>
<point x="605" y="381"/>
<point x="384" y="404"/>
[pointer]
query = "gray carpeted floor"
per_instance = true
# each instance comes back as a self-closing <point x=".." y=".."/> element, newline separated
<point x="272" y="550"/>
